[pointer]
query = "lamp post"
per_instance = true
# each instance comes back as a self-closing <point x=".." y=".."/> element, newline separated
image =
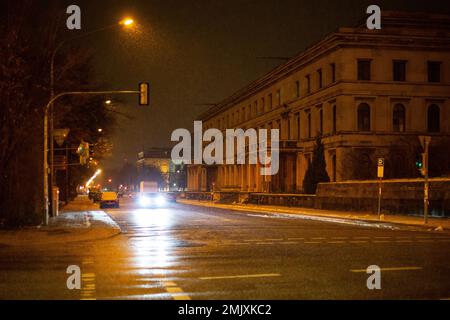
<point x="48" y="113"/>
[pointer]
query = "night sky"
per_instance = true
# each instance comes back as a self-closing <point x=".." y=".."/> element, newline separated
<point x="197" y="51"/>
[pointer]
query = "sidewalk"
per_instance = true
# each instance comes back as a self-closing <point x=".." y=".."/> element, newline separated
<point x="434" y="224"/>
<point x="80" y="220"/>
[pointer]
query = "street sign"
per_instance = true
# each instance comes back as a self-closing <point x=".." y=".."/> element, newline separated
<point x="143" y="94"/>
<point x="380" y="169"/>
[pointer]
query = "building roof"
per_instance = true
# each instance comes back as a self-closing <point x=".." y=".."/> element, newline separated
<point x="154" y="153"/>
<point x="398" y="27"/>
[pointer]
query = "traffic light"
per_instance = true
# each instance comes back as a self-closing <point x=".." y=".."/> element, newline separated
<point x="83" y="152"/>
<point x="143" y="94"/>
<point x="421" y="163"/>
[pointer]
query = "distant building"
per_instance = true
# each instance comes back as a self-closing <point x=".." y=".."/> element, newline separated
<point x="366" y="93"/>
<point x="156" y="164"/>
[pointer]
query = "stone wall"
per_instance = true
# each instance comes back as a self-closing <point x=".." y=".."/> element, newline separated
<point x="398" y="196"/>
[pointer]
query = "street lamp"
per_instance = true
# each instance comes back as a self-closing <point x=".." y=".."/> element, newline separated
<point x="127" y="22"/>
<point x="48" y="113"/>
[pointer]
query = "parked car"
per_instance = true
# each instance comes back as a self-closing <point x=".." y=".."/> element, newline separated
<point x="109" y="199"/>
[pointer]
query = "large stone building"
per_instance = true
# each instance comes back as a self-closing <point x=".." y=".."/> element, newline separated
<point x="366" y="93"/>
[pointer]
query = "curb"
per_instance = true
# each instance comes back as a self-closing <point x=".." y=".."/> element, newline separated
<point x="92" y="230"/>
<point x="310" y="216"/>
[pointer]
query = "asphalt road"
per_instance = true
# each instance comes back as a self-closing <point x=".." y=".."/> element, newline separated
<point x="186" y="252"/>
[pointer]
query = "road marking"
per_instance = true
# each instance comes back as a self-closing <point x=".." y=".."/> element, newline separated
<point x="243" y="276"/>
<point x="318" y="238"/>
<point x="263" y="243"/>
<point x="358" y="241"/>
<point x="336" y="242"/>
<point x="88" y="289"/>
<point x="312" y="242"/>
<point x="294" y="239"/>
<point x="289" y="242"/>
<point x="273" y="239"/>
<point x="176" y="292"/>
<point x="339" y="238"/>
<point x="389" y="269"/>
<point x="361" y="237"/>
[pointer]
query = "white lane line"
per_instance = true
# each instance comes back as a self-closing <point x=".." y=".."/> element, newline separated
<point x="273" y="239"/>
<point x="389" y="269"/>
<point x="289" y="242"/>
<point x="243" y="276"/>
<point x="263" y="243"/>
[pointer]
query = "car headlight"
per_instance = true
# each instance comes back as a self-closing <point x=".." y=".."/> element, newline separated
<point x="160" y="200"/>
<point x="144" y="201"/>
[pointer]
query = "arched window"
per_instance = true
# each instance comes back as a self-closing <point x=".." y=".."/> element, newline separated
<point x="364" y="117"/>
<point x="398" y="118"/>
<point x="434" y="118"/>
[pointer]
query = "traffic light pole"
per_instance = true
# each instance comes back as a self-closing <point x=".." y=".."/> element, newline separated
<point x="46" y="135"/>
<point x="427" y="185"/>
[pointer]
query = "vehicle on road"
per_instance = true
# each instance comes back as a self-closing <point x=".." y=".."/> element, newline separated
<point x="150" y="196"/>
<point x="109" y="199"/>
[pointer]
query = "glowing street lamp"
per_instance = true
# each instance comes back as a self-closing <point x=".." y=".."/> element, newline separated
<point x="127" y="22"/>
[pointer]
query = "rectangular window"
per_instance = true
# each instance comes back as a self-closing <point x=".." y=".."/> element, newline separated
<point x="319" y="73"/>
<point x="279" y="127"/>
<point x="278" y="98"/>
<point x="333" y="72"/>
<point x="270" y="102"/>
<point x="255" y="108"/>
<point x="309" y="124"/>
<point x="308" y="84"/>
<point x="297" y="89"/>
<point x="399" y="70"/>
<point x="364" y="70"/>
<point x="321" y="121"/>
<point x="434" y="71"/>
<point x="263" y="105"/>
<point x="297" y="120"/>
<point x="243" y="114"/>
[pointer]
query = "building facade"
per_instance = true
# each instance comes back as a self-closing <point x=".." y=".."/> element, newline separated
<point x="365" y="93"/>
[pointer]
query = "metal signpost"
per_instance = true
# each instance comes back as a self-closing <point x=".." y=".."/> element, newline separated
<point x="425" y="142"/>
<point x="380" y="174"/>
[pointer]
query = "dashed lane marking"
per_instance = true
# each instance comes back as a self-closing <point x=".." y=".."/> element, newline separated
<point x="242" y="276"/>
<point x="175" y="291"/>
<point x="389" y="269"/>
